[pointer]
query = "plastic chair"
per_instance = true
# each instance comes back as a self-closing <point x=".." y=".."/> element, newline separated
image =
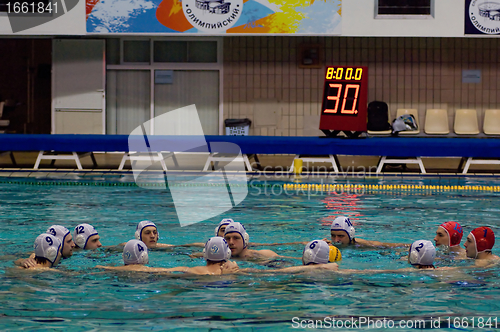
<point x="412" y="111"/>
<point x="466" y="122"/>
<point x="436" y="122"/>
<point x="491" y="125"/>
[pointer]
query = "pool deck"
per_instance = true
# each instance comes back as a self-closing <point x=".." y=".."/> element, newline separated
<point x="271" y="164"/>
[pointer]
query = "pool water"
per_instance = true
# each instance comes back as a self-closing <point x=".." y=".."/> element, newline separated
<point x="78" y="297"/>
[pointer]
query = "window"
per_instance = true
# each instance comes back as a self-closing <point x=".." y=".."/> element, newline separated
<point x="136" y="51"/>
<point x="170" y="51"/>
<point x="404" y="8"/>
<point x="185" y="51"/>
<point x="141" y="51"/>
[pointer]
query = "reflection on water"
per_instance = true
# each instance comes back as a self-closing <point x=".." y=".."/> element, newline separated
<point x="344" y="205"/>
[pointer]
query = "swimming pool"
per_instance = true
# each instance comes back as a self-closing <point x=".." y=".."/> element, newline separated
<point x="81" y="298"/>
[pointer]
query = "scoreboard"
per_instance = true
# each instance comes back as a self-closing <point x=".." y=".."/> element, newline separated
<point x="345" y="97"/>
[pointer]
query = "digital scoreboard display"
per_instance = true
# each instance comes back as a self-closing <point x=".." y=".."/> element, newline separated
<point x="345" y="97"/>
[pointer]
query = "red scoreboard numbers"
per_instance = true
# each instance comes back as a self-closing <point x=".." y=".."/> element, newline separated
<point x="344" y="99"/>
<point x="347" y="94"/>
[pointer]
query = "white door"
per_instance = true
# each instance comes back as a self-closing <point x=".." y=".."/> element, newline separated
<point x="78" y="80"/>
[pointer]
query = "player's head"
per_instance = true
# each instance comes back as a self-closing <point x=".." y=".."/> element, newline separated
<point x="481" y="239"/>
<point x="342" y="231"/>
<point x="216" y="250"/>
<point x="236" y="237"/>
<point x="316" y="252"/>
<point x="422" y="253"/>
<point x="147" y="232"/>
<point x="221" y="227"/>
<point x="64" y="235"/>
<point x="135" y="252"/>
<point x="449" y="234"/>
<point x="86" y="237"/>
<point x="47" y="247"/>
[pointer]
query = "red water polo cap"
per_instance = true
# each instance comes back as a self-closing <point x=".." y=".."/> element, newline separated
<point x="454" y="231"/>
<point x="484" y="238"/>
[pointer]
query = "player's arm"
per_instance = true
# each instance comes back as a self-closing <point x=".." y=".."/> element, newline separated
<point x="379" y="244"/>
<point x="266" y="253"/>
<point x="275" y="244"/>
<point x="229" y="267"/>
<point x="109" y="267"/>
<point x="26" y="262"/>
<point x="195" y="244"/>
<point x="164" y="245"/>
<point x="297" y="269"/>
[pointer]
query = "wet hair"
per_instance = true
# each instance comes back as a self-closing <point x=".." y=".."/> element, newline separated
<point x="425" y="266"/>
<point x="41" y="260"/>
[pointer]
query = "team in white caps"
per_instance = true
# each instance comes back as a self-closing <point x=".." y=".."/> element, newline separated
<point x="231" y="240"/>
<point x="216" y="254"/>
<point x="58" y="242"/>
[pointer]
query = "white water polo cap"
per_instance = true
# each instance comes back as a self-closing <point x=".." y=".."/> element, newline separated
<point x="236" y="227"/>
<point x="343" y="224"/>
<point x="59" y="232"/>
<point x="135" y="252"/>
<point x="216" y="249"/>
<point x="317" y="252"/>
<point x="47" y="246"/>
<point x="143" y="224"/>
<point x="82" y="234"/>
<point x="422" y="252"/>
<point x="223" y="222"/>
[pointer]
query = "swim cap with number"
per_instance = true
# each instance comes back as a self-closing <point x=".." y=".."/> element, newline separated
<point x="317" y="252"/>
<point x="343" y="224"/>
<point x="47" y="246"/>
<point x="454" y="231"/>
<point x="82" y="234"/>
<point x="422" y="252"/>
<point x="484" y="238"/>
<point x="59" y="232"/>
<point x="135" y="252"/>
